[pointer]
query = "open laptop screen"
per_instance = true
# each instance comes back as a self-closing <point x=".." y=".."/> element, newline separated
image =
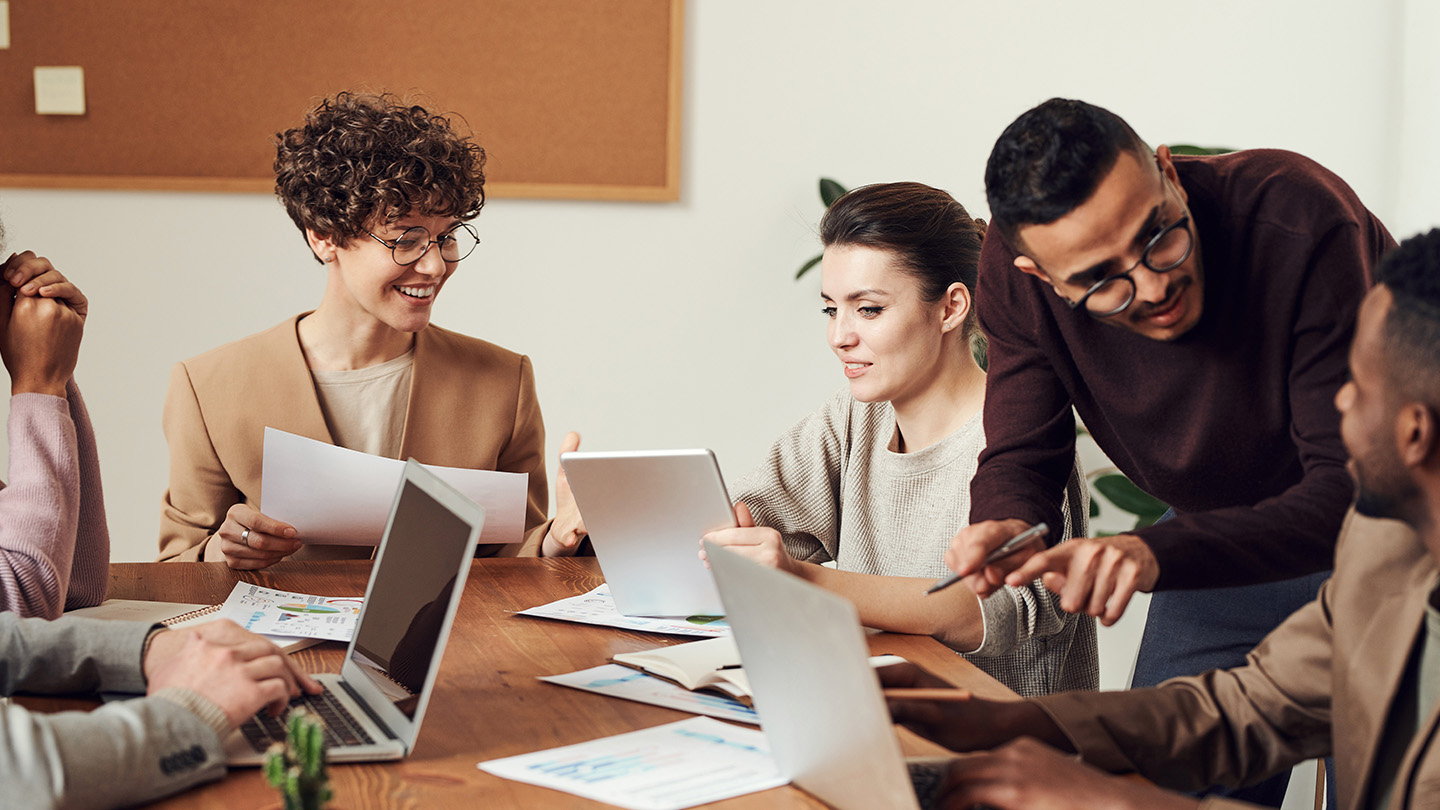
<point x="395" y="644"/>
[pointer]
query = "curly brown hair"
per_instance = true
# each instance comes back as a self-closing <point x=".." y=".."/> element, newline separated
<point x="361" y="158"/>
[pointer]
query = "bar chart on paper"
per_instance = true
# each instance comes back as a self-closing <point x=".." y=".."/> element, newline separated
<point x="663" y="768"/>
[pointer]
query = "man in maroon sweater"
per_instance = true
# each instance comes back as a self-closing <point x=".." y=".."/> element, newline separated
<point x="1196" y="313"/>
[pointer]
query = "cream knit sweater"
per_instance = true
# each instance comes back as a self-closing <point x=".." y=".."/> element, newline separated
<point x="835" y="492"/>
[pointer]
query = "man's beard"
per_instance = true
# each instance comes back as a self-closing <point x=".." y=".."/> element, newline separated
<point x="1386" y="501"/>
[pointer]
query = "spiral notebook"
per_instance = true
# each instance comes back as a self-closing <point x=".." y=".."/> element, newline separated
<point x="175" y="614"/>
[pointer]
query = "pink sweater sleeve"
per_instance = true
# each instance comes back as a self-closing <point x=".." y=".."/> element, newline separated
<point x="90" y="571"/>
<point x="52" y="516"/>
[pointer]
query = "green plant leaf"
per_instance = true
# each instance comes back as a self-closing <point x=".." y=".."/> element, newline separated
<point x="830" y="191"/>
<point x="1122" y="492"/>
<point x="805" y="268"/>
<point x="1192" y="149"/>
<point x="1094" y="508"/>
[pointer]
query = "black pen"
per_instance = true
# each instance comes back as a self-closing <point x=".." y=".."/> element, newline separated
<point x="1010" y="547"/>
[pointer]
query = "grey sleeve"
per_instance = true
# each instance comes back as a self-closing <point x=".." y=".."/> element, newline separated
<point x="70" y="655"/>
<point x="796" y="490"/>
<point x="116" y="756"/>
<point x="120" y="754"/>
<point x="1013" y="615"/>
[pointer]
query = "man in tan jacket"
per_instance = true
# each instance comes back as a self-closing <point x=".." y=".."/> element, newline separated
<point x="1355" y="673"/>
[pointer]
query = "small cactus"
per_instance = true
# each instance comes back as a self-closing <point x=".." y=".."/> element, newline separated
<point x="297" y="767"/>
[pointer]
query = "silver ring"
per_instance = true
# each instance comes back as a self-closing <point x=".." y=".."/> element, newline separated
<point x="245" y="538"/>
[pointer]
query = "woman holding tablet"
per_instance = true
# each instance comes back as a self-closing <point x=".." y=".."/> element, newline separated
<point x="383" y="193"/>
<point x="877" y="480"/>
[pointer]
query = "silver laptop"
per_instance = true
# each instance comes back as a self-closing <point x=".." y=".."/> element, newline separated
<point x="818" y="698"/>
<point x="373" y="708"/>
<point x="646" y="511"/>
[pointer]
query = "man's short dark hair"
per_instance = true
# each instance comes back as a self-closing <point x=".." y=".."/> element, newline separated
<point x="1412" y="329"/>
<point x="1049" y="161"/>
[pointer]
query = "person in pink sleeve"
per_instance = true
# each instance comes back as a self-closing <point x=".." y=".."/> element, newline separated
<point x="54" y="545"/>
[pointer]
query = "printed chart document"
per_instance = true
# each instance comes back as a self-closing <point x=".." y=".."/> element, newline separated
<point x="242" y="610"/>
<point x="614" y="680"/>
<point x="668" y="767"/>
<point x="284" y="613"/>
<point x="598" y="607"/>
<point x="336" y="496"/>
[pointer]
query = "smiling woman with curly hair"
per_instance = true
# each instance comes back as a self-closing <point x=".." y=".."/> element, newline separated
<point x="383" y="193"/>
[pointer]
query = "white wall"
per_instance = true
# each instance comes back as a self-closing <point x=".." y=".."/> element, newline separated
<point x="1416" y="158"/>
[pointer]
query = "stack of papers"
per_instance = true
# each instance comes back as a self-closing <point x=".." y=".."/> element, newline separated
<point x="598" y="607"/>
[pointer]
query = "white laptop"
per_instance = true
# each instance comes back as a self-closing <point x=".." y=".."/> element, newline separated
<point x="646" y="511"/>
<point x="373" y="708"/>
<point x="818" y="698"/>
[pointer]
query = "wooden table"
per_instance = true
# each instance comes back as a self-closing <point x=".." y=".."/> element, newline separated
<point x="487" y="702"/>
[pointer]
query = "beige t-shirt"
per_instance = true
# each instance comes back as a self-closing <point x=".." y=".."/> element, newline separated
<point x="365" y="408"/>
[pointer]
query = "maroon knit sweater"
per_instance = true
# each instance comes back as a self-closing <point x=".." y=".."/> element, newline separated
<point x="1233" y="424"/>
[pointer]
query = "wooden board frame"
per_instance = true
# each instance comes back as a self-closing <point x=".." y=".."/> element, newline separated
<point x="651" y="173"/>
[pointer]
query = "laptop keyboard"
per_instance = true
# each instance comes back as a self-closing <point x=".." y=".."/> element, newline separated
<point x="340" y="727"/>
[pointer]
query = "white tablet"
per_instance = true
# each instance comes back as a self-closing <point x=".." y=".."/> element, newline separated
<point x="646" y="511"/>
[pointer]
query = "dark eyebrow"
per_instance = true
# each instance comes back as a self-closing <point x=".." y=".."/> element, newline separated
<point x="857" y="295"/>
<point x="1095" y="272"/>
<point x="871" y="293"/>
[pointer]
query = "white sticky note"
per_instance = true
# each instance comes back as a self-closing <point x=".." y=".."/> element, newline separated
<point x="60" y="90"/>
<point x="4" y="23"/>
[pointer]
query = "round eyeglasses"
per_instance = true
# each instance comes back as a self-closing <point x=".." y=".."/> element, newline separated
<point x="410" y="246"/>
<point x="1166" y="251"/>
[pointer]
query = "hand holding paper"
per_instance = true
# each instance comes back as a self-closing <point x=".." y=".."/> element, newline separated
<point x="332" y="495"/>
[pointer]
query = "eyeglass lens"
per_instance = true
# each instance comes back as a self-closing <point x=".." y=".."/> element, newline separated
<point x="454" y="245"/>
<point x="1165" y="254"/>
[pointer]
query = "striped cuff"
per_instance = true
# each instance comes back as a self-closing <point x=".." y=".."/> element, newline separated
<point x="210" y="714"/>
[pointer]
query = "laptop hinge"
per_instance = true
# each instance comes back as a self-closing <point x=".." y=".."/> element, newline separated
<point x="365" y="707"/>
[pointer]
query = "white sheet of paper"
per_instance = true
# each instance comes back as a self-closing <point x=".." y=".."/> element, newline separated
<point x="336" y="496"/>
<point x="598" y="607"/>
<point x="614" y="680"/>
<point x="668" y="767"/>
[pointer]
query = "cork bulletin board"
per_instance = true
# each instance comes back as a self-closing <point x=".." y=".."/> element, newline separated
<point x="571" y="99"/>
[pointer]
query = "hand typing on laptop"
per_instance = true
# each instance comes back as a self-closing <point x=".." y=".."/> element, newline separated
<point x="237" y="671"/>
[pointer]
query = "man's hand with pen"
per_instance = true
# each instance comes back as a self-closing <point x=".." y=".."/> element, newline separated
<point x="1096" y="576"/>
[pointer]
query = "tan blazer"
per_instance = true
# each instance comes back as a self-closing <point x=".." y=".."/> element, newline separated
<point x="472" y="404"/>
<point x="1335" y="664"/>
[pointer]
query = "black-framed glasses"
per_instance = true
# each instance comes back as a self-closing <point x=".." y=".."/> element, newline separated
<point x="1165" y="251"/>
<point x="410" y="246"/>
